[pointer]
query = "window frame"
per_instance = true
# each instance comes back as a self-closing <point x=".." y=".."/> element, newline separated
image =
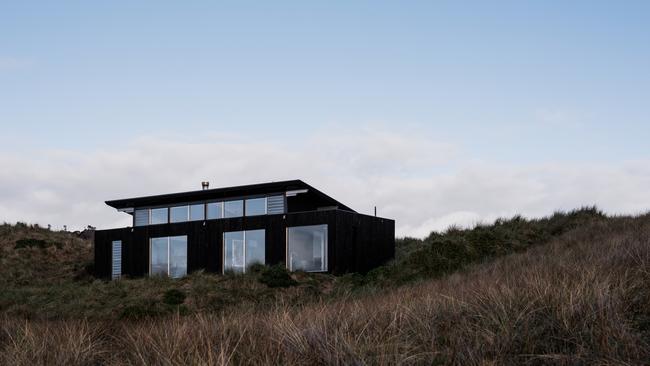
<point x="243" y="208"/>
<point x="214" y="202"/>
<point x="264" y="198"/>
<point x="223" y="249"/>
<point x="168" y="240"/>
<point x="151" y="209"/>
<point x="325" y="261"/>
<point x="187" y="213"/>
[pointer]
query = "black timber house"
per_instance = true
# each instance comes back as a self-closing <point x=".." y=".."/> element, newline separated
<point x="228" y="229"/>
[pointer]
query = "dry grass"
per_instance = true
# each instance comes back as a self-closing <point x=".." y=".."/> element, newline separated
<point x="583" y="298"/>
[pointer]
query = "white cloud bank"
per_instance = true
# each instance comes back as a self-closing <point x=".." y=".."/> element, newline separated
<point x="422" y="184"/>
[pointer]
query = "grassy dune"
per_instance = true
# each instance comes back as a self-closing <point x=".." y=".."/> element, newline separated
<point x="570" y="289"/>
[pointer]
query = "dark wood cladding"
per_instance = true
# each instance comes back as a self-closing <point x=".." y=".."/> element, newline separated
<point x="356" y="242"/>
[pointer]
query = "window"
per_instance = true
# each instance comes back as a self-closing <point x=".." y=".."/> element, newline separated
<point x="158" y="216"/>
<point x="177" y="256"/>
<point x="233" y="208"/>
<point x="242" y="249"/>
<point x="117" y="259"/>
<point x="179" y="214"/>
<point x="168" y="256"/>
<point x="256" y="206"/>
<point x="255" y="247"/>
<point x="197" y="212"/>
<point x="233" y="259"/>
<point x="141" y="217"/>
<point x="214" y="210"/>
<point x="307" y="248"/>
<point x="159" y="256"/>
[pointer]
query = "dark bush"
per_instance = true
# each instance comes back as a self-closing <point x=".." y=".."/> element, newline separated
<point x="174" y="297"/>
<point x="276" y="276"/>
<point x="31" y="243"/>
<point x="143" y="310"/>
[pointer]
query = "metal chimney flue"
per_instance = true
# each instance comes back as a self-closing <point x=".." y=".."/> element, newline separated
<point x="205" y="185"/>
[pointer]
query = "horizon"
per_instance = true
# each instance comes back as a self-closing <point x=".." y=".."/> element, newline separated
<point x="438" y="114"/>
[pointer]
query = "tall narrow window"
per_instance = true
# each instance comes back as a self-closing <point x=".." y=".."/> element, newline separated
<point x="255" y="247"/>
<point x="241" y="249"/>
<point x="177" y="256"/>
<point x="159" y="256"/>
<point x="214" y="210"/>
<point x="158" y="216"/>
<point x="179" y="213"/>
<point x="168" y="256"/>
<point x="307" y="248"/>
<point x="233" y="208"/>
<point x="256" y="206"/>
<point x="233" y="252"/>
<point x="116" y="264"/>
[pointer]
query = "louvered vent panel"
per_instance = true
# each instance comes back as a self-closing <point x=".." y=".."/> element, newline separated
<point x="141" y="217"/>
<point x="275" y="205"/>
<point x="116" y="271"/>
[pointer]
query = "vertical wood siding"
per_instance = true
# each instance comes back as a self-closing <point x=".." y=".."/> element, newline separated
<point x="356" y="242"/>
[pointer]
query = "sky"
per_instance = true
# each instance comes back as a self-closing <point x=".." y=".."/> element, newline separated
<point x="437" y="112"/>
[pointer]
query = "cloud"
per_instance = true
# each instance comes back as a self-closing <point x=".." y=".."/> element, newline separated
<point x="423" y="184"/>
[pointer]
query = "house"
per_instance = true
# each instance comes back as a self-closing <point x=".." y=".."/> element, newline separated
<point x="228" y="229"/>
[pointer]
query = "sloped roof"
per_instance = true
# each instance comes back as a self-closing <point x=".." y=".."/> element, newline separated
<point x="226" y="192"/>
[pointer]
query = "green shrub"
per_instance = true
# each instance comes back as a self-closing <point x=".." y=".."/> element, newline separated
<point x="174" y="297"/>
<point x="277" y="276"/>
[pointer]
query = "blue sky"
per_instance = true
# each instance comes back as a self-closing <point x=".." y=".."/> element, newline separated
<point x="513" y="85"/>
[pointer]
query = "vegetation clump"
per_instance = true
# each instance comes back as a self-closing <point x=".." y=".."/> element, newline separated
<point x="572" y="288"/>
<point x="35" y="243"/>
<point x="174" y="296"/>
<point x="277" y="276"/>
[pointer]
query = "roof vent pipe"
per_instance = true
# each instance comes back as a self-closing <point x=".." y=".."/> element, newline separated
<point x="205" y="185"/>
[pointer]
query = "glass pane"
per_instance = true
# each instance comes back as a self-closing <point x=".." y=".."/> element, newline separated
<point x="307" y="247"/>
<point x="256" y="206"/>
<point x="196" y="212"/>
<point x="234" y="208"/>
<point x="159" y="215"/>
<point x="158" y="256"/>
<point x="177" y="256"/>
<point x="141" y="217"/>
<point x="215" y="210"/>
<point x="255" y="249"/>
<point x="233" y="259"/>
<point x="178" y="214"/>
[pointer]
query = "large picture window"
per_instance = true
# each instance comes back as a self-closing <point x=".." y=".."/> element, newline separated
<point x="242" y="249"/>
<point x="168" y="256"/>
<point x="307" y="248"/>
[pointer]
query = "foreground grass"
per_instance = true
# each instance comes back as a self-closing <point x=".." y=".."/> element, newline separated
<point x="581" y="298"/>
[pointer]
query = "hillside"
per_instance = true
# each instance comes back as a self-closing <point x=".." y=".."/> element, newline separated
<point x="573" y="288"/>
